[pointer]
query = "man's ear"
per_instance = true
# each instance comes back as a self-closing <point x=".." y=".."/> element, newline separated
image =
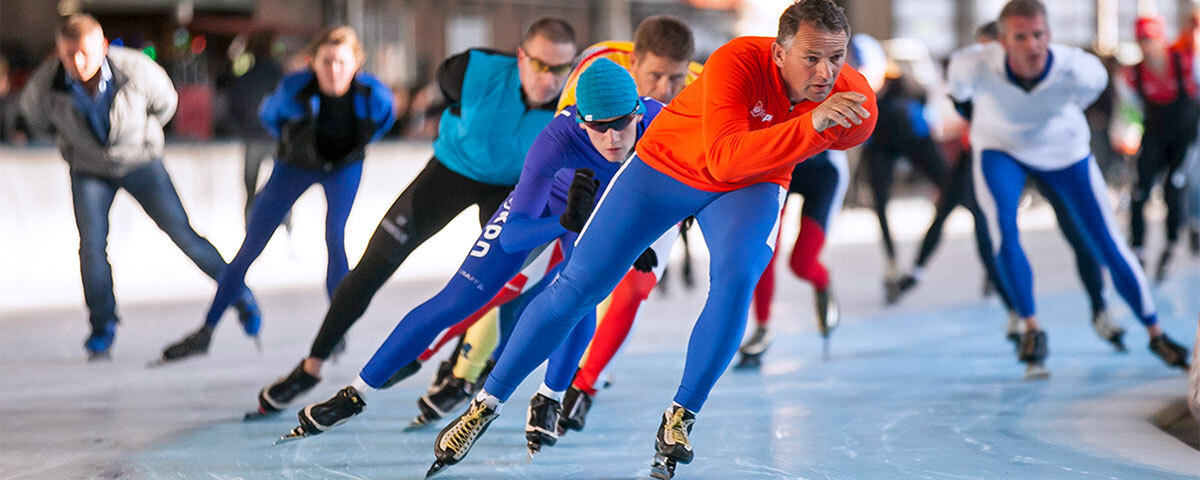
<point x="777" y="54"/>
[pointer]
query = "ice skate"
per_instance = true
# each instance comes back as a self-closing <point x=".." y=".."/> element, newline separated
<point x="99" y="343"/>
<point x="440" y="399"/>
<point x="541" y="423"/>
<point x="898" y="287"/>
<point x="575" y="406"/>
<point x="319" y="417"/>
<point x="456" y="440"/>
<point x="1108" y="330"/>
<point x="753" y="349"/>
<point x="1171" y="353"/>
<point x="828" y="314"/>
<point x="275" y="397"/>
<point x="191" y="345"/>
<point x="1032" y="352"/>
<point x="1194" y="241"/>
<point x="671" y="443"/>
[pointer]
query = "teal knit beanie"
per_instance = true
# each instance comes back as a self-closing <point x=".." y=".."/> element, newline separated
<point x="606" y="90"/>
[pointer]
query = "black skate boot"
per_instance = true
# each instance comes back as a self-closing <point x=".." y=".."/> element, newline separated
<point x="1171" y="353"/>
<point x="898" y="287"/>
<point x="575" y="406"/>
<point x="672" y="442"/>
<point x="456" y="440"/>
<point x="191" y="345"/>
<point x="1194" y="241"/>
<point x="541" y="423"/>
<point x="1108" y="330"/>
<point x="319" y="417"/>
<point x="275" y="397"/>
<point x="439" y="400"/>
<point x="754" y="348"/>
<point x="1032" y="352"/>
<point x="404" y="372"/>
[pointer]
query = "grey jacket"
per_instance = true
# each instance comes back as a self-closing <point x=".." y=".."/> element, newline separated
<point x="144" y="100"/>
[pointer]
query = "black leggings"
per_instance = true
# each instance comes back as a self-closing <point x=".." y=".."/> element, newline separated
<point x="1158" y="154"/>
<point x="881" y="163"/>
<point x="430" y="202"/>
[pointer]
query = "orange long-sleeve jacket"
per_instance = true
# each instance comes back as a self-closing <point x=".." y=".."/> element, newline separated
<point x="735" y="126"/>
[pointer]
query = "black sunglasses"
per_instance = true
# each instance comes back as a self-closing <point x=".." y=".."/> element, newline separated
<point x="617" y="123"/>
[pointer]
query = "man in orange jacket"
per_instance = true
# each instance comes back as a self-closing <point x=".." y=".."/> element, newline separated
<point x="722" y="151"/>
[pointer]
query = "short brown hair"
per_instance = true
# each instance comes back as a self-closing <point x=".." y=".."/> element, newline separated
<point x="822" y="14"/>
<point x="337" y="36"/>
<point x="664" y="36"/>
<point x="554" y="29"/>
<point x="1021" y="8"/>
<point x="77" y="26"/>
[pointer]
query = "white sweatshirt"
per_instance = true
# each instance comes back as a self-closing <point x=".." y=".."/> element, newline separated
<point x="1043" y="128"/>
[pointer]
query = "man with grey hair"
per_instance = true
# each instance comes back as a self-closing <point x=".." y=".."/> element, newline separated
<point x="106" y="107"/>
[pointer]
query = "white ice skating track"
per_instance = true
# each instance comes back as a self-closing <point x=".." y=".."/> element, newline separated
<point x="925" y="390"/>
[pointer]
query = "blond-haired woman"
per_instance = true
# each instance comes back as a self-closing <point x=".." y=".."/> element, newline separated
<point x="323" y="118"/>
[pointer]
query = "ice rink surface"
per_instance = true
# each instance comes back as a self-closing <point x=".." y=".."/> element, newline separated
<point x="927" y="389"/>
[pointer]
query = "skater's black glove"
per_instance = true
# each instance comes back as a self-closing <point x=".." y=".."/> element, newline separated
<point x="581" y="198"/>
<point x="646" y="262"/>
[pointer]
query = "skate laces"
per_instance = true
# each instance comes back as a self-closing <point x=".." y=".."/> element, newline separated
<point x="464" y="432"/>
<point x="675" y="431"/>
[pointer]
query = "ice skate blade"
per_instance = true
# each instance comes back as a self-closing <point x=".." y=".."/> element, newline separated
<point x="260" y="414"/>
<point x="434" y="469"/>
<point x="1118" y="344"/>
<point x="159" y="362"/>
<point x="531" y="449"/>
<point x="296" y="434"/>
<point x="825" y="347"/>
<point x="662" y="468"/>
<point x="1036" y="372"/>
<point x="419" y="423"/>
<point x="97" y="357"/>
<point x="257" y="343"/>
<point x="749" y="363"/>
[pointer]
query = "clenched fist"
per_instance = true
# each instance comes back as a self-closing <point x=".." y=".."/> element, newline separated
<point x="842" y="108"/>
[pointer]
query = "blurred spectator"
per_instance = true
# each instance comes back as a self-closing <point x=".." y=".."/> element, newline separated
<point x="1164" y="83"/>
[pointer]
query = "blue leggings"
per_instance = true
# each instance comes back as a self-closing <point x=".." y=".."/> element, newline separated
<point x="562" y="365"/>
<point x="641" y="203"/>
<point x="999" y="180"/>
<point x="482" y="274"/>
<point x="271" y="206"/>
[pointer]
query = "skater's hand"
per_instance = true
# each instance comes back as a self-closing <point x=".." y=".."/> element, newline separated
<point x="646" y="262"/>
<point x="843" y="109"/>
<point x="581" y="198"/>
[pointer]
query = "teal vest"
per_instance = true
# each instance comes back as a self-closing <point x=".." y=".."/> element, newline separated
<point x="488" y="139"/>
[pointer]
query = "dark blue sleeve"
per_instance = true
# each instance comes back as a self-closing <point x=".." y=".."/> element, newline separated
<point x="280" y="105"/>
<point x="529" y="224"/>
<point x="380" y="107"/>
